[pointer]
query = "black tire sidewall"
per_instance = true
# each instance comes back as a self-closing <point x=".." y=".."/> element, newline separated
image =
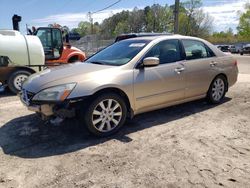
<point x="209" y="94"/>
<point x="73" y="59"/>
<point x="87" y="114"/>
<point x="12" y="78"/>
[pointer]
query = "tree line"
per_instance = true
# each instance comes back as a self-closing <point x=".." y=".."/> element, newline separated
<point x="193" y="21"/>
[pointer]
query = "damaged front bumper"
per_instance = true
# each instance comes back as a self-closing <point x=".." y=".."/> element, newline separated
<point x="44" y="109"/>
<point x="65" y="109"/>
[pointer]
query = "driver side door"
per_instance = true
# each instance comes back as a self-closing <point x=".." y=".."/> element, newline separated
<point x="155" y="87"/>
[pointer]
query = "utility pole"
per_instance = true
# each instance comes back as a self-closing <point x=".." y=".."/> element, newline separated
<point x="91" y="21"/>
<point x="176" y="16"/>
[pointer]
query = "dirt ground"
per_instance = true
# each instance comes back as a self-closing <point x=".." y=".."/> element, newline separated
<point x="190" y="145"/>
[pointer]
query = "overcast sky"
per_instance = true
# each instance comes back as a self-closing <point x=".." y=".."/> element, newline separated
<point x="70" y="12"/>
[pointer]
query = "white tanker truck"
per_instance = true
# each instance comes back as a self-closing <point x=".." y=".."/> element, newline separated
<point x="20" y="56"/>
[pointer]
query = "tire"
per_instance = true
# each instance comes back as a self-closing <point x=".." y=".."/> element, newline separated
<point x="105" y="115"/>
<point x="16" y="79"/>
<point x="217" y="90"/>
<point x="241" y="53"/>
<point x="73" y="59"/>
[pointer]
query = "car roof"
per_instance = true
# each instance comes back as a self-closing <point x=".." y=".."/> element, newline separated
<point x="135" y="35"/>
<point x="162" y="37"/>
<point x="156" y="39"/>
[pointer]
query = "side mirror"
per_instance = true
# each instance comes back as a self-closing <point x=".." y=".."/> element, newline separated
<point x="151" y="61"/>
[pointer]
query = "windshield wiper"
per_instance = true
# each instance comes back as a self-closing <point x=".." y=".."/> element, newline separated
<point x="97" y="62"/>
<point x="103" y="63"/>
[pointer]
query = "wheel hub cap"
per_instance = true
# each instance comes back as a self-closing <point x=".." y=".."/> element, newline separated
<point x="107" y="115"/>
<point x="218" y="89"/>
<point x="19" y="80"/>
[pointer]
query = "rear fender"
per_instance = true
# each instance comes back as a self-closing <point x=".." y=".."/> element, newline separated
<point x="81" y="56"/>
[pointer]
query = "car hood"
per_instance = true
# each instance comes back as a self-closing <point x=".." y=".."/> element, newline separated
<point x="63" y="74"/>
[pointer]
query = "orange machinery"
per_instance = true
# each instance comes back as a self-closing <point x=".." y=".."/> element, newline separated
<point x="56" y="51"/>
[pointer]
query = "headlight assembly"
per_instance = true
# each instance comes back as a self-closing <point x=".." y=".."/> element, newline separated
<point x="56" y="93"/>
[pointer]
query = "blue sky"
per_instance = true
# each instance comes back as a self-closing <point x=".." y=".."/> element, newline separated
<point x="70" y="12"/>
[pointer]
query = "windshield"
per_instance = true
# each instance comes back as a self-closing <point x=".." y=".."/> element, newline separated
<point x="119" y="53"/>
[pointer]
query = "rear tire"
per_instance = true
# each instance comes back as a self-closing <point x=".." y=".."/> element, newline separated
<point x="16" y="79"/>
<point x="105" y="115"/>
<point x="217" y="90"/>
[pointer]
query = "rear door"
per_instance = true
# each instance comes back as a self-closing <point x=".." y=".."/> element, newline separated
<point x="162" y="84"/>
<point x="200" y="67"/>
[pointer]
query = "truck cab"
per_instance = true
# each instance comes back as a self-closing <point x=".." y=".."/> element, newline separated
<point x="56" y="50"/>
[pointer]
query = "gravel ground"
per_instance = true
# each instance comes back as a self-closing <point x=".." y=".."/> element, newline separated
<point x="189" y="145"/>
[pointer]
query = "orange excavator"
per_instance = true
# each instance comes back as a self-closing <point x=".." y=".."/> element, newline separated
<point x="57" y="51"/>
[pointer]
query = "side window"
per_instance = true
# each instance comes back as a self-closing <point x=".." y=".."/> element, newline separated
<point x="45" y="37"/>
<point x="167" y="51"/>
<point x="196" y="50"/>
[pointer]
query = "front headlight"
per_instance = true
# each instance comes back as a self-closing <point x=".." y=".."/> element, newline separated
<point x="56" y="93"/>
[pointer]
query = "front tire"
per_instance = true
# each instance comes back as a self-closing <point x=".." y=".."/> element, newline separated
<point x="217" y="90"/>
<point x="16" y="79"/>
<point x="105" y="115"/>
<point x="73" y="59"/>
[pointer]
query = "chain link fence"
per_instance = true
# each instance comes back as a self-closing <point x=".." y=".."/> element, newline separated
<point x="91" y="44"/>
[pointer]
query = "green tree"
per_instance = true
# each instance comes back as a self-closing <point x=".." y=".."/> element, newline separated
<point x="84" y="28"/>
<point x="223" y="37"/>
<point x="193" y="21"/>
<point x="244" y="24"/>
<point x="155" y="18"/>
<point x="158" y="18"/>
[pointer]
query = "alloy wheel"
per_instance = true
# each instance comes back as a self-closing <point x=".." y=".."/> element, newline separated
<point x="218" y="89"/>
<point x="107" y="115"/>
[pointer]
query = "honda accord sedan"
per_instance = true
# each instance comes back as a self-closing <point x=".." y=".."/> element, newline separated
<point x="130" y="77"/>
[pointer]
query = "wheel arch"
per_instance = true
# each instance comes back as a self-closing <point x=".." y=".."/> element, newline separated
<point x="221" y="74"/>
<point x="77" y="55"/>
<point x="12" y="70"/>
<point x="119" y="92"/>
<point x="72" y="58"/>
<point x="32" y="71"/>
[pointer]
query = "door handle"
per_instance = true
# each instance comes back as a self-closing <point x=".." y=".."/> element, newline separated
<point x="179" y="70"/>
<point x="213" y="63"/>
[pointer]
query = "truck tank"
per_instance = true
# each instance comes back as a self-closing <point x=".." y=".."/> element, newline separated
<point x="20" y="56"/>
<point x="21" y="50"/>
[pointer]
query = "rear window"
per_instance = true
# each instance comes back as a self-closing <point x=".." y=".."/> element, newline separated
<point x="196" y="50"/>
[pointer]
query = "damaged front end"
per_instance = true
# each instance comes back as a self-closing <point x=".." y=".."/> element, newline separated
<point x="53" y="110"/>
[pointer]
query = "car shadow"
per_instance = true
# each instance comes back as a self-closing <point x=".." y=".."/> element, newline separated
<point x="29" y="137"/>
<point x="6" y="93"/>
